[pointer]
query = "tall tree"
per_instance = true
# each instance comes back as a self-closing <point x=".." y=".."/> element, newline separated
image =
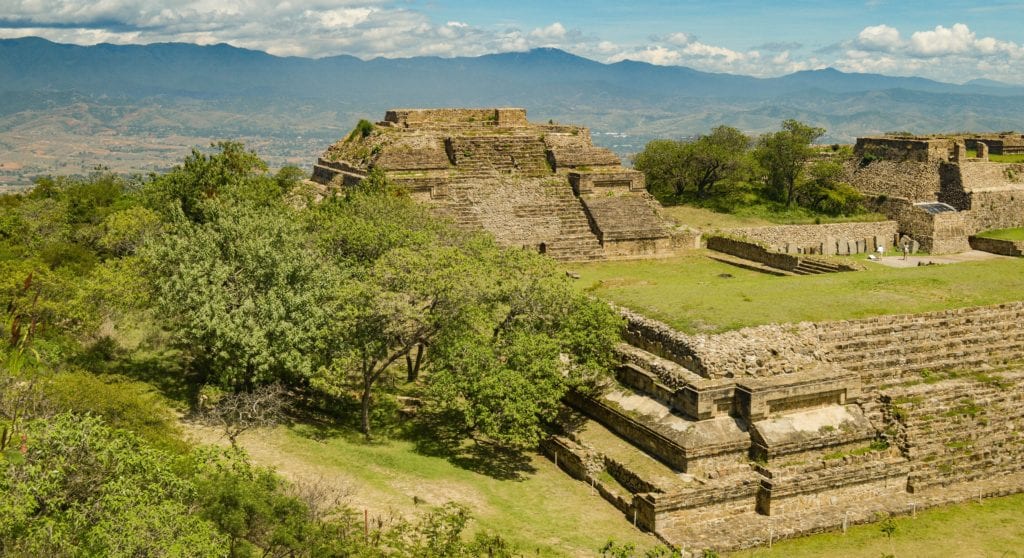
<point x="663" y="163"/>
<point x="244" y="294"/>
<point x="715" y="157"/>
<point x="671" y="167"/>
<point x="784" y="154"/>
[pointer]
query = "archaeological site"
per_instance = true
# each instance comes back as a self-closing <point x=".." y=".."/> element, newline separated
<point x="732" y="440"/>
<point x="541" y="186"/>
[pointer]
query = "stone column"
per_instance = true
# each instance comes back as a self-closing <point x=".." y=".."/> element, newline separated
<point x="982" y="151"/>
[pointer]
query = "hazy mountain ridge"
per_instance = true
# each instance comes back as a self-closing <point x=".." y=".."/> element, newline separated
<point x="246" y="94"/>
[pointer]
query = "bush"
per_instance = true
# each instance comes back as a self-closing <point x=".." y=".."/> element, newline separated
<point x="362" y="130"/>
<point x="121" y="402"/>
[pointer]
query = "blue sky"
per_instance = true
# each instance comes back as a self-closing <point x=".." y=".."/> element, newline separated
<point x="949" y="41"/>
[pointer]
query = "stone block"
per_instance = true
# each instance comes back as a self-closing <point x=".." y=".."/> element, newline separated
<point x="829" y="247"/>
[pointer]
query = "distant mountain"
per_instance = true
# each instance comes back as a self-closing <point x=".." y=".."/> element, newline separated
<point x="226" y="71"/>
<point x="160" y="89"/>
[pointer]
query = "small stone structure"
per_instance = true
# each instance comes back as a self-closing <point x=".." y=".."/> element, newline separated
<point x="538" y="186"/>
<point x="903" y="174"/>
<point x="731" y="440"/>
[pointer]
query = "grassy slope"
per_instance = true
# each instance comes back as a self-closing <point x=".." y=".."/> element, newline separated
<point x="1004" y="234"/>
<point x="993" y="528"/>
<point x="758" y="216"/>
<point x="690" y="292"/>
<point x="542" y="510"/>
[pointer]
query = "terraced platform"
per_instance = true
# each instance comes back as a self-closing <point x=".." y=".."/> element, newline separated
<point x="540" y="187"/>
<point x="707" y="449"/>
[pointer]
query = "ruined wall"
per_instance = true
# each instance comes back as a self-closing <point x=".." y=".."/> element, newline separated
<point x="940" y="233"/>
<point x="919" y="150"/>
<point x="996" y="246"/>
<point x="776" y="237"/>
<point x="924" y="411"/>
<point x="502" y="117"/>
<point x="914" y="180"/>
<point x="491" y="169"/>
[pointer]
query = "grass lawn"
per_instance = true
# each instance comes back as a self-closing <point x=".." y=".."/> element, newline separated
<point x="756" y="216"/>
<point x="1004" y="234"/>
<point x="1015" y="158"/>
<point x="538" y="507"/>
<point x="696" y="294"/>
<point x="993" y="528"/>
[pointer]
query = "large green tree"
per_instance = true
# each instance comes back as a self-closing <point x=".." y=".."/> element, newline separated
<point x="243" y="294"/>
<point x="784" y="156"/>
<point x="674" y="167"/>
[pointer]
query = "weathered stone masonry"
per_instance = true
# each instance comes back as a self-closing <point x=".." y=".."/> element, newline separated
<point x="781" y="430"/>
<point x="540" y="186"/>
<point x="901" y="174"/>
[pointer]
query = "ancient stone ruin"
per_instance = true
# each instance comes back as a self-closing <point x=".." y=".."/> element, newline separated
<point x="937" y="194"/>
<point x="540" y="186"/>
<point x="733" y="440"/>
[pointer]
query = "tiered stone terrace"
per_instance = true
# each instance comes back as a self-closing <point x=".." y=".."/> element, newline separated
<point x="725" y="441"/>
<point x="542" y="187"/>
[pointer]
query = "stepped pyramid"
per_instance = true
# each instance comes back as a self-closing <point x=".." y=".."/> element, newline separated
<point x="732" y="440"/>
<point x="544" y="187"/>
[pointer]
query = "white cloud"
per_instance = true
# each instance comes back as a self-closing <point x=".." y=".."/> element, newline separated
<point x="945" y="53"/>
<point x="881" y="37"/>
<point x="552" y="32"/>
<point x="941" y="41"/>
<point x="678" y="39"/>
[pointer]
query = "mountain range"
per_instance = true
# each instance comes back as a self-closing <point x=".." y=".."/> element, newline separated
<point x="221" y="91"/>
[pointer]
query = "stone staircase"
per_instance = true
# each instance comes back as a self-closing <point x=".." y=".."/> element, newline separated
<point x="883" y="347"/>
<point x="807" y="266"/>
<point x="542" y="210"/>
<point x="482" y="156"/>
<point x="959" y="429"/>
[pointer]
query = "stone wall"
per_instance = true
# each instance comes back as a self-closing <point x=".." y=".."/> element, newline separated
<point x="996" y="246"/>
<point x="939" y="233"/>
<point x="829" y="424"/>
<point x="778" y="237"/>
<point x="916" y="181"/>
<point x="753" y="252"/>
<point x="617" y="181"/>
<point x="502" y="117"/>
<point x="908" y="149"/>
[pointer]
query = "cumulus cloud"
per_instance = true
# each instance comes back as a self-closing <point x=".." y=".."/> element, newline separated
<point x="554" y="31"/>
<point x="879" y="37"/>
<point x="946" y="53"/>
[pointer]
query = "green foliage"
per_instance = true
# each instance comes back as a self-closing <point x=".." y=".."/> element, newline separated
<point x="783" y="155"/>
<point x="362" y="130"/>
<point x="203" y="183"/>
<point x="614" y="549"/>
<point x="120" y="402"/>
<point x="244" y="294"/>
<point x="672" y="167"/>
<point x="1004" y="234"/>
<point x="87" y="489"/>
<point x="826" y="192"/>
<point x="502" y="366"/>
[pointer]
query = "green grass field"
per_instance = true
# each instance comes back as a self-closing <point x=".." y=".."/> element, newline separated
<point x="696" y="294"/>
<point x="1004" y="234"/>
<point x="528" y="501"/>
<point x="993" y="528"/>
<point x="756" y="216"/>
<point x="1016" y="158"/>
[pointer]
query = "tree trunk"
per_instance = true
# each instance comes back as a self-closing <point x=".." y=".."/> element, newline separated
<point x="368" y="380"/>
<point x="365" y="400"/>
<point x="413" y="365"/>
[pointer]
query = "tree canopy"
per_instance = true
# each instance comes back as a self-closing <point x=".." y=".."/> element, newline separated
<point x="784" y="155"/>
